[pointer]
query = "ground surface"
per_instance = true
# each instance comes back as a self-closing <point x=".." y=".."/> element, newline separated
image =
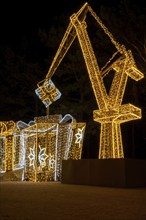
<point x="57" y="201"/>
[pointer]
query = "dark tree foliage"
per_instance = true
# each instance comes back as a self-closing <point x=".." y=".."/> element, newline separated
<point x="24" y="65"/>
<point x="127" y="22"/>
<point x="18" y="81"/>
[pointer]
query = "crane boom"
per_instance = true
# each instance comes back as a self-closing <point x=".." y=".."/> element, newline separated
<point x="47" y="91"/>
<point x="72" y="31"/>
<point x="111" y="112"/>
<point x="66" y="42"/>
<point x="91" y="63"/>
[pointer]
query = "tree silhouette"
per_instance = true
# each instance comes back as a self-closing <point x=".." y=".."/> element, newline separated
<point x="23" y="65"/>
<point x="72" y="77"/>
<point x="127" y="21"/>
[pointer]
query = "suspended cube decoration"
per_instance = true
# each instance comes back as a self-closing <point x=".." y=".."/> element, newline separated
<point x="47" y="92"/>
<point x="47" y="142"/>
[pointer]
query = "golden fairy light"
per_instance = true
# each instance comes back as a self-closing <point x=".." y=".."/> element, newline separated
<point x="7" y="145"/>
<point x="40" y="146"/>
<point x="111" y="112"/>
<point x="47" y="143"/>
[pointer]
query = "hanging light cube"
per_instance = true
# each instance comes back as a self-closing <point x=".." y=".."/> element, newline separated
<point x="48" y="92"/>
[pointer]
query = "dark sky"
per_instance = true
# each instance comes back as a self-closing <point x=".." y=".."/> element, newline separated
<point x="19" y="17"/>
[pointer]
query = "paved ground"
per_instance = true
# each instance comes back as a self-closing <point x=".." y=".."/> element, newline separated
<point x="57" y="201"/>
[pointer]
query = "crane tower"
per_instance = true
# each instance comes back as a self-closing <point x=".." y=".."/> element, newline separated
<point x="111" y="112"/>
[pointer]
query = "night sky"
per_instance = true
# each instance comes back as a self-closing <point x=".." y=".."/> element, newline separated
<point x="20" y="19"/>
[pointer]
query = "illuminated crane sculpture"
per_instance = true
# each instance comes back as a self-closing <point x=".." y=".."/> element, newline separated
<point x="111" y="112"/>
